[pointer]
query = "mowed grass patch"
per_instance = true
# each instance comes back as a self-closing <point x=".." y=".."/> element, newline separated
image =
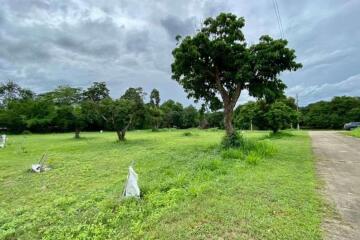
<point x="191" y="189"/>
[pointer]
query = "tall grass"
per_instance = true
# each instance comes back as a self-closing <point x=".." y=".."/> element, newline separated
<point x="250" y="150"/>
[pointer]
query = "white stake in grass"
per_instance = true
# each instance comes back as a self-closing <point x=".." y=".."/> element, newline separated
<point x="2" y="141"/>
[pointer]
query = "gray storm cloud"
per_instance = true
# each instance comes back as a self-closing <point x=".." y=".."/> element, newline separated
<point x="126" y="43"/>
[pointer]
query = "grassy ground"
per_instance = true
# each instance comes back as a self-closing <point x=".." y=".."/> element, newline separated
<point x="354" y="133"/>
<point x="191" y="189"/>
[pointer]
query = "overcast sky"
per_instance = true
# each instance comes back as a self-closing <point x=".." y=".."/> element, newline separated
<point x="128" y="43"/>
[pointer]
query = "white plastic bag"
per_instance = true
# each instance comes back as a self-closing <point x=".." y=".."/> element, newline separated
<point x="41" y="166"/>
<point x="132" y="188"/>
<point x="36" y="168"/>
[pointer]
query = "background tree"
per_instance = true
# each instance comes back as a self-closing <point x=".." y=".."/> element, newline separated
<point x="38" y="115"/>
<point x="331" y="114"/>
<point x="215" y="119"/>
<point x="97" y="92"/>
<point x="217" y="61"/>
<point x="70" y="118"/>
<point x="203" y="123"/>
<point x="136" y="96"/>
<point x="10" y="91"/>
<point x="64" y="95"/>
<point x="69" y="113"/>
<point x="154" y="116"/>
<point x="244" y="115"/>
<point x="118" y="115"/>
<point x="279" y="116"/>
<point x="153" y="112"/>
<point x="155" y="97"/>
<point x="90" y="104"/>
<point x="173" y="114"/>
<point x="190" y="117"/>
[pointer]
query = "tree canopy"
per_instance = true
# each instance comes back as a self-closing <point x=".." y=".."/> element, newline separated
<point x="216" y="65"/>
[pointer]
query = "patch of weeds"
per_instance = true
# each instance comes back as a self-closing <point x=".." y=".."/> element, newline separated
<point x="261" y="147"/>
<point x="251" y="150"/>
<point x="232" y="153"/>
<point x="264" y="148"/>
<point x="199" y="188"/>
<point x="208" y="164"/>
<point x="187" y="134"/>
<point x="253" y="158"/>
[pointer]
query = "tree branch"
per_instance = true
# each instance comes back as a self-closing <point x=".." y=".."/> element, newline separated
<point x="222" y="90"/>
<point x="129" y="123"/>
<point x="236" y="95"/>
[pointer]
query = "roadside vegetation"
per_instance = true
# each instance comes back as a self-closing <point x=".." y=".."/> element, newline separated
<point x="191" y="188"/>
<point x="354" y="133"/>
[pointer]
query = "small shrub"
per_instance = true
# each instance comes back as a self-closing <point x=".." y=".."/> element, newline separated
<point x="253" y="158"/>
<point x="187" y="134"/>
<point x="26" y="132"/>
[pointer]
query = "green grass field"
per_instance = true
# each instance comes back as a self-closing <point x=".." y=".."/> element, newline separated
<point x="190" y="188"/>
<point x="354" y="133"/>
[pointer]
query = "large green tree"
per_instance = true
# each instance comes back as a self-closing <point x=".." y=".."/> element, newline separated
<point x="118" y="115"/>
<point x="216" y="64"/>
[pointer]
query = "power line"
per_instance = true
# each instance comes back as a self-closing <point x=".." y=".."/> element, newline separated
<point x="278" y="17"/>
<point x="281" y="25"/>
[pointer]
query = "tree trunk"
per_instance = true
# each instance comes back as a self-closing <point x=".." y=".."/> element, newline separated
<point x="228" y="113"/>
<point x="77" y="133"/>
<point x="121" y="135"/>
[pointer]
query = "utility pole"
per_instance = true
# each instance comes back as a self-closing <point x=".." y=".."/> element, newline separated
<point x="297" y="109"/>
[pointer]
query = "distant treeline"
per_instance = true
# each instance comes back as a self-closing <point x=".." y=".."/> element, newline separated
<point x="73" y="109"/>
<point x="69" y="109"/>
<point x="320" y="115"/>
<point x="331" y="114"/>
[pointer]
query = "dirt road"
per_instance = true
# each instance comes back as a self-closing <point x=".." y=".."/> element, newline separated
<point x="339" y="166"/>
